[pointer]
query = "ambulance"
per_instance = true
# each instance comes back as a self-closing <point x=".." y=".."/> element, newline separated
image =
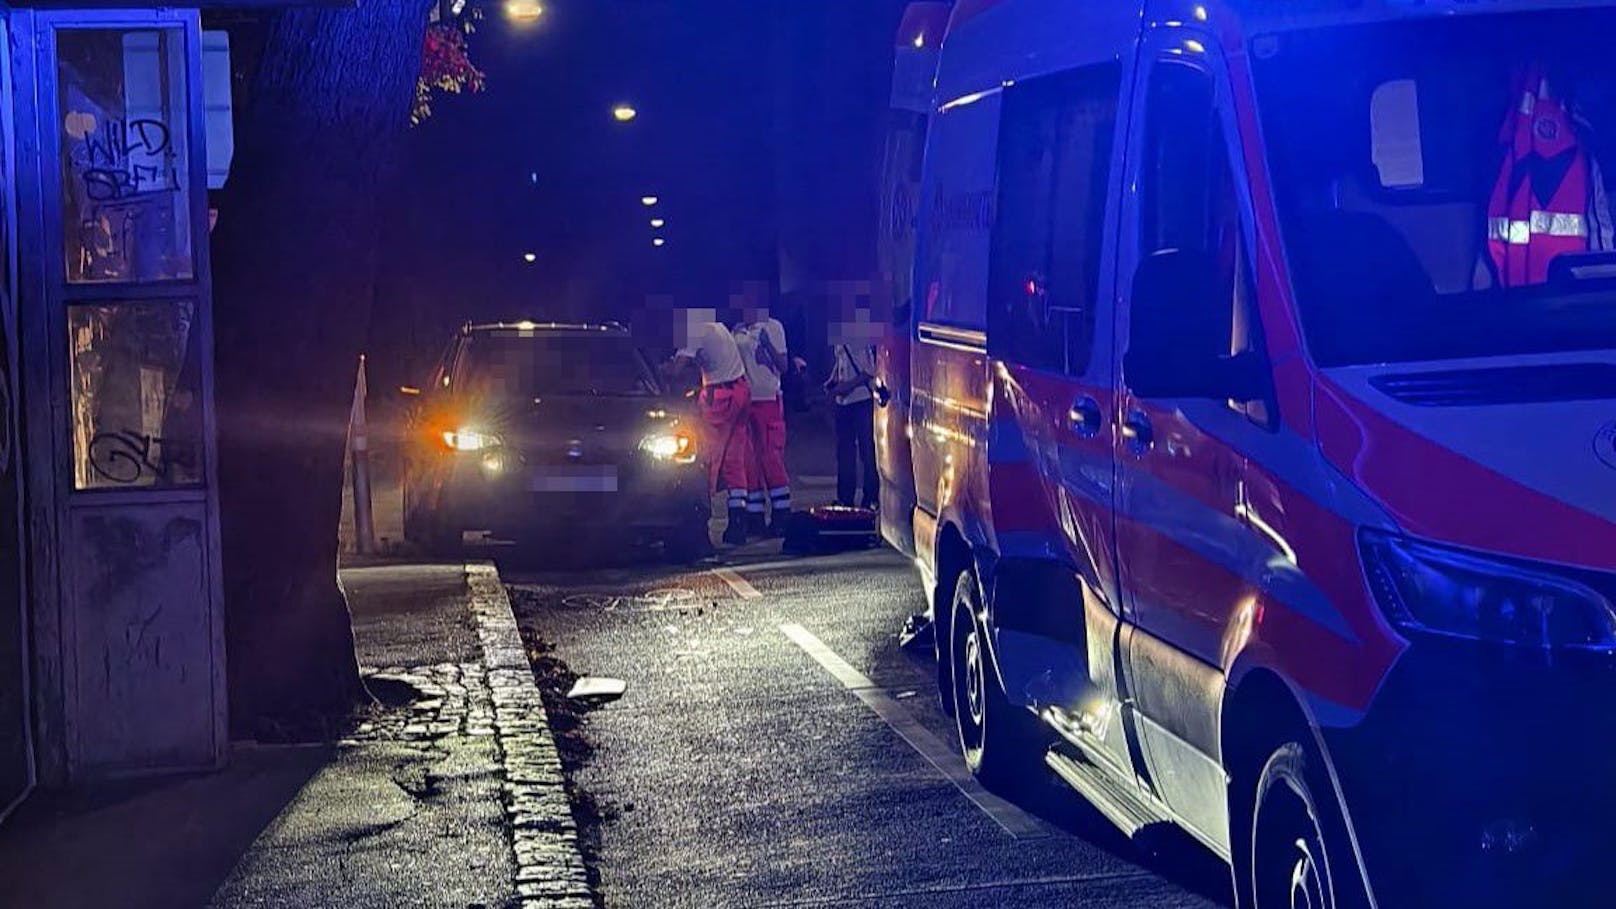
<point x="1252" y="423"/>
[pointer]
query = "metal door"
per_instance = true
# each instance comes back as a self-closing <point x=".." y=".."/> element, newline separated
<point x="118" y="305"/>
<point x="16" y="767"/>
<point x="1185" y="554"/>
<point x="1056" y="608"/>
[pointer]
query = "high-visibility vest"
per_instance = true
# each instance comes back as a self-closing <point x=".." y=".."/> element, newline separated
<point x="1541" y="204"/>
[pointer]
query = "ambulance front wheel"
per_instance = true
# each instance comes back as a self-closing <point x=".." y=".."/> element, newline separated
<point x="1292" y="864"/>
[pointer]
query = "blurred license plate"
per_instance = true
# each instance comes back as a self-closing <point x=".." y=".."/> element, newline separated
<point x="575" y="479"/>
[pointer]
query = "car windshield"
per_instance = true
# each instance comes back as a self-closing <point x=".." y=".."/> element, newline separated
<point x="1441" y="183"/>
<point x="571" y="364"/>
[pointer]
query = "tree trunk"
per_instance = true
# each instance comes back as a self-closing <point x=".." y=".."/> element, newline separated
<point x="294" y="270"/>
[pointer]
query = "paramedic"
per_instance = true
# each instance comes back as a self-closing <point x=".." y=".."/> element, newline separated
<point x="723" y="402"/>
<point x="762" y="343"/>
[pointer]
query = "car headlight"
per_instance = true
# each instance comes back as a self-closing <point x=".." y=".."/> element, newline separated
<point x="1434" y="589"/>
<point x="466" y="439"/>
<point x="670" y="446"/>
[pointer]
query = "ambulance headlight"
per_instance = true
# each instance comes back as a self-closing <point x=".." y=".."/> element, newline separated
<point x="678" y="447"/>
<point x="1434" y="589"/>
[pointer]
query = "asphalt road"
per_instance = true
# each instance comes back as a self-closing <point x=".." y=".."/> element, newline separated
<point x="777" y="748"/>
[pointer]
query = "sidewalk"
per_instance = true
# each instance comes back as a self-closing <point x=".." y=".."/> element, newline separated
<point x="451" y="797"/>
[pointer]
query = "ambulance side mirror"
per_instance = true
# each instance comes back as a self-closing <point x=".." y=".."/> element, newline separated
<point x="1179" y="332"/>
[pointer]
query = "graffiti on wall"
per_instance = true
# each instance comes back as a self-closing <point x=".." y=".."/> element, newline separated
<point x="136" y="413"/>
<point x="123" y="198"/>
<point x="125" y="155"/>
<point x="124" y="160"/>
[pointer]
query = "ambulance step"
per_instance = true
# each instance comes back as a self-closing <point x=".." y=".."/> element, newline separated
<point x="1124" y="806"/>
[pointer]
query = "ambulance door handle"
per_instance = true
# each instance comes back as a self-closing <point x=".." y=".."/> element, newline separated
<point x="1085" y="417"/>
<point x="1136" y="431"/>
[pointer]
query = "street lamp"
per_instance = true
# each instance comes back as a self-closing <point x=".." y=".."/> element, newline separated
<point x="523" y="12"/>
<point x="659" y="242"/>
<point x="658" y="222"/>
<point x="649" y="201"/>
<point x="530" y="258"/>
<point x="623" y="113"/>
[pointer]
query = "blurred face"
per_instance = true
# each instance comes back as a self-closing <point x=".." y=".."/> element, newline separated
<point x="687" y="324"/>
<point x="855" y="325"/>
<point x="859" y="315"/>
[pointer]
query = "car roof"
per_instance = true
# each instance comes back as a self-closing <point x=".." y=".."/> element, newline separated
<point x="526" y="328"/>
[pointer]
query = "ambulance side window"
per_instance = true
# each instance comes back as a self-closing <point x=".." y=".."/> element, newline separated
<point x="1185" y="162"/>
<point x="1054" y="162"/>
<point x="1189" y="201"/>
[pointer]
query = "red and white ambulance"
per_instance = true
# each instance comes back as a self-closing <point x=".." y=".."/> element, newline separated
<point x="1254" y="428"/>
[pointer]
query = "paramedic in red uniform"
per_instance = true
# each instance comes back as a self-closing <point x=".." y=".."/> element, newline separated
<point x="723" y="400"/>
<point x="762" y="342"/>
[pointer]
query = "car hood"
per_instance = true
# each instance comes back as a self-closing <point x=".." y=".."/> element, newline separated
<point x="1516" y="457"/>
<point x="566" y="424"/>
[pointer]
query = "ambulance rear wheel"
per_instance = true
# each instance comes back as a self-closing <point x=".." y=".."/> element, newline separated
<point x="1003" y="744"/>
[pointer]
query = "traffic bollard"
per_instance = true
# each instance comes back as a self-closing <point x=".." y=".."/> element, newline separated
<point x="359" y="449"/>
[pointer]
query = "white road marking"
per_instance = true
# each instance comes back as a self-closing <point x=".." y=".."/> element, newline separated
<point x="742" y="587"/>
<point x="944" y="758"/>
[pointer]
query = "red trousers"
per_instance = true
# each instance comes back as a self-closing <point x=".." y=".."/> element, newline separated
<point x="767" y="479"/>
<point x="729" y="445"/>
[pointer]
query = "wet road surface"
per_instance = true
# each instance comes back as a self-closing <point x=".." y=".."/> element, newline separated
<point x="777" y="748"/>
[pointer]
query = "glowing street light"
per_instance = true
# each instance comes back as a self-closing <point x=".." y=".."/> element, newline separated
<point x="658" y="222"/>
<point x="523" y="12"/>
<point x="659" y="242"/>
<point x="623" y="113"/>
<point x="530" y="258"/>
<point x="649" y="201"/>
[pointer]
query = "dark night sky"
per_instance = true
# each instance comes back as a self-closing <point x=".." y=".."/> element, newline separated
<point x="715" y="81"/>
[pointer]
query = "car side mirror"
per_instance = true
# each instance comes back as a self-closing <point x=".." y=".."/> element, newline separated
<point x="1178" y="338"/>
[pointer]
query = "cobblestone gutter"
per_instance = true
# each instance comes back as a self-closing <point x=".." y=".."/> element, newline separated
<point x="550" y="871"/>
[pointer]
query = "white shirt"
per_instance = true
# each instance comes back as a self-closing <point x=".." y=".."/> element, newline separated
<point x="765" y="381"/>
<point x="713" y="348"/>
<point x="851" y="360"/>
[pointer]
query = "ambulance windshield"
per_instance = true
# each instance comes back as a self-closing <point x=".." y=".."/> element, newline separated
<point x="1442" y="183"/>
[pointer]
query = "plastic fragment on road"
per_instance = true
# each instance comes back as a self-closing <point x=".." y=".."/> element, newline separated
<point x="597" y="689"/>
